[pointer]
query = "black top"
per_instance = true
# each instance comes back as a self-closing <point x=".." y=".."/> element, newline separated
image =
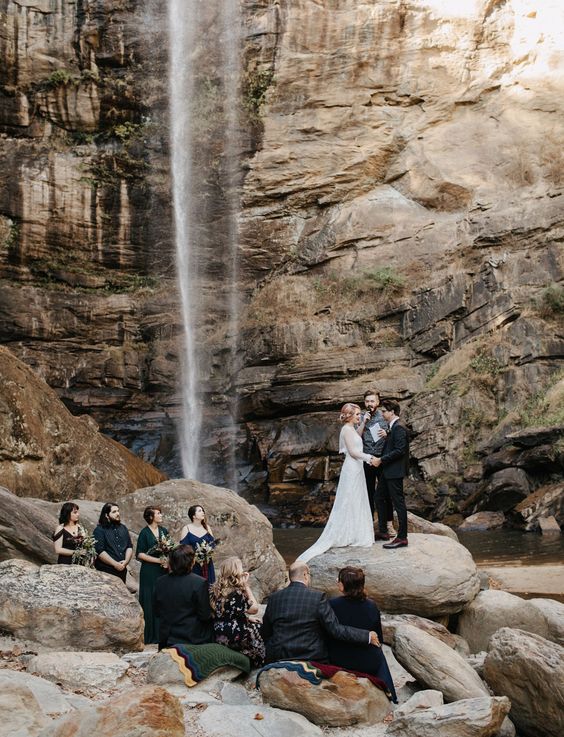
<point x="182" y="604"/>
<point x="113" y="540"/>
<point x="70" y="542"/>
<point x="297" y="622"/>
<point x="363" y="658"/>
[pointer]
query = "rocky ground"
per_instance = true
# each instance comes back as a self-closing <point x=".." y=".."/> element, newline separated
<point x="72" y="648"/>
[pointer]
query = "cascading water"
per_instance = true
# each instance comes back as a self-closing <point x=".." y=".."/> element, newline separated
<point x="205" y="151"/>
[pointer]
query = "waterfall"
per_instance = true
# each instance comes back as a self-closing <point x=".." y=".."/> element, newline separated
<point x="204" y="70"/>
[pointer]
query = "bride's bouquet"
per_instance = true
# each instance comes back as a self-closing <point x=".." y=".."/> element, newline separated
<point x="85" y="554"/>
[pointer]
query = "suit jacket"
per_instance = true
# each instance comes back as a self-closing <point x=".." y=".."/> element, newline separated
<point x="395" y="456"/>
<point x="296" y="622"/>
<point x="182" y="604"/>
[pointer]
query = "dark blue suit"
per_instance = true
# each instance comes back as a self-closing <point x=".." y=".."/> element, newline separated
<point x="395" y="463"/>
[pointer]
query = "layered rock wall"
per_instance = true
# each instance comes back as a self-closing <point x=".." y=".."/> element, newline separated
<point x="400" y="227"/>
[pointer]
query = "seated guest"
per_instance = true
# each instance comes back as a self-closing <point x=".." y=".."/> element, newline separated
<point x="298" y="619"/>
<point x="232" y="601"/>
<point x="181" y="602"/>
<point x="356" y="610"/>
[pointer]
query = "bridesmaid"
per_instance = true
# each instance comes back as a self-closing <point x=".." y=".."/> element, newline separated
<point x="68" y="535"/>
<point x="152" y="567"/>
<point x="198" y="531"/>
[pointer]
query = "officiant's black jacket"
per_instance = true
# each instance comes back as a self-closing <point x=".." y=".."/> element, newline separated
<point x="296" y="622"/>
<point x="182" y="604"/>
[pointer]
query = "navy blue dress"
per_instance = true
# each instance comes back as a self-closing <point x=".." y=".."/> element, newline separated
<point x="206" y="570"/>
<point x="363" y="658"/>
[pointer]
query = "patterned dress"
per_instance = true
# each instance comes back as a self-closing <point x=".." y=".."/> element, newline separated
<point x="233" y="628"/>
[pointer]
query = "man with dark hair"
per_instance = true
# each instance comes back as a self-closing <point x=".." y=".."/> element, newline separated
<point x="298" y="620"/>
<point x="181" y="602"/>
<point x="113" y="543"/>
<point x="394" y="462"/>
<point x="372" y="430"/>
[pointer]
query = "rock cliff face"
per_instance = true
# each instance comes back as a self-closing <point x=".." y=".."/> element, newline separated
<point x="400" y="227"/>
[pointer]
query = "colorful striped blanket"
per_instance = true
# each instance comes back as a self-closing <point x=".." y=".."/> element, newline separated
<point x="196" y="662"/>
<point x="316" y="672"/>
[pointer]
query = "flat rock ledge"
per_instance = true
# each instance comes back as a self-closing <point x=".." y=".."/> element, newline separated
<point x="480" y="717"/>
<point x="68" y="607"/>
<point x="433" y="576"/>
<point x="340" y="701"/>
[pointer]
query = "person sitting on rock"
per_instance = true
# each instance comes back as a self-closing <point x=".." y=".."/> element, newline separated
<point x="113" y="542"/>
<point x="298" y="620"/>
<point x="181" y="602"/>
<point x="232" y="602"/>
<point x="355" y="609"/>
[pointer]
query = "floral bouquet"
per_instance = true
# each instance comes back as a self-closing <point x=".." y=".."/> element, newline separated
<point x="203" y="552"/>
<point x="164" y="547"/>
<point x="85" y="554"/>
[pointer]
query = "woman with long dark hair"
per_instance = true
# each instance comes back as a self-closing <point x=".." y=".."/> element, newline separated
<point x="198" y="535"/>
<point x="355" y="609"/>
<point x="68" y="535"/>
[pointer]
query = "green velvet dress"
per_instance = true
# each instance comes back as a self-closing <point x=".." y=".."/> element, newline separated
<point x="150" y="572"/>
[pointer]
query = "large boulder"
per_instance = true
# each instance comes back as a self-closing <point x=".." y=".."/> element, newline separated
<point x="479" y="717"/>
<point x="493" y="609"/>
<point x="418" y="524"/>
<point x="544" y="502"/>
<point x="412" y="580"/>
<point x="20" y="713"/>
<point x="90" y="671"/>
<point x="242" y="529"/>
<point x="483" y="521"/>
<point x="50" y="698"/>
<point x="390" y="622"/>
<point x="68" y="607"/>
<point x="435" y="665"/>
<point x="553" y="612"/>
<point x="217" y="720"/>
<point x="339" y="701"/>
<point x="148" y="711"/>
<point x="530" y="671"/>
<point x="25" y="531"/>
<point x="47" y="452"/>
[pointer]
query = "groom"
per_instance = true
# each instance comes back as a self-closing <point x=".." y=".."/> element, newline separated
<point x="394" y="464"/>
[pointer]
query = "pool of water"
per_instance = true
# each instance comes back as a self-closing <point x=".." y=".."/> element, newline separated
<point x="491" y="548"/>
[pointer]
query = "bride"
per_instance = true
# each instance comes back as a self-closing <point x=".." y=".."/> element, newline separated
<point x="350" y="521"/>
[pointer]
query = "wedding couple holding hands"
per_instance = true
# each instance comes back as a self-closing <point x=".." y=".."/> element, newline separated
<point x="376" y="448"/>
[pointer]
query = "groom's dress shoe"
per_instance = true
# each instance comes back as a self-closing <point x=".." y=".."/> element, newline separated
<point x="399" y="542"/>
<point x="381" y="536"/>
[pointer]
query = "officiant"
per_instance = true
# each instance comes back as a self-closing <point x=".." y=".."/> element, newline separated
<point x="373" y="429"/>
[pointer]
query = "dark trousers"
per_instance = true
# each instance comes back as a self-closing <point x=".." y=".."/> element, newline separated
<point x="391" y="491"/>
<point x="371" y="473"/>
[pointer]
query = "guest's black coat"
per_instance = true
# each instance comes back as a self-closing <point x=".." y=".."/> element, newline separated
<point x="364" y="658"/>
<point x="395" y="455"/>
<point x="182" y="605"/>
<point x="296" y="623"/>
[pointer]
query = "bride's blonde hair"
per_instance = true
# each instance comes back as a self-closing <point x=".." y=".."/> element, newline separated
<point x="229" y="579"/>
<point x="347" y="411"/>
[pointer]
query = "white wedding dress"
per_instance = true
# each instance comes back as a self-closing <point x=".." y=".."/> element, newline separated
<point x="350" y="521"/>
